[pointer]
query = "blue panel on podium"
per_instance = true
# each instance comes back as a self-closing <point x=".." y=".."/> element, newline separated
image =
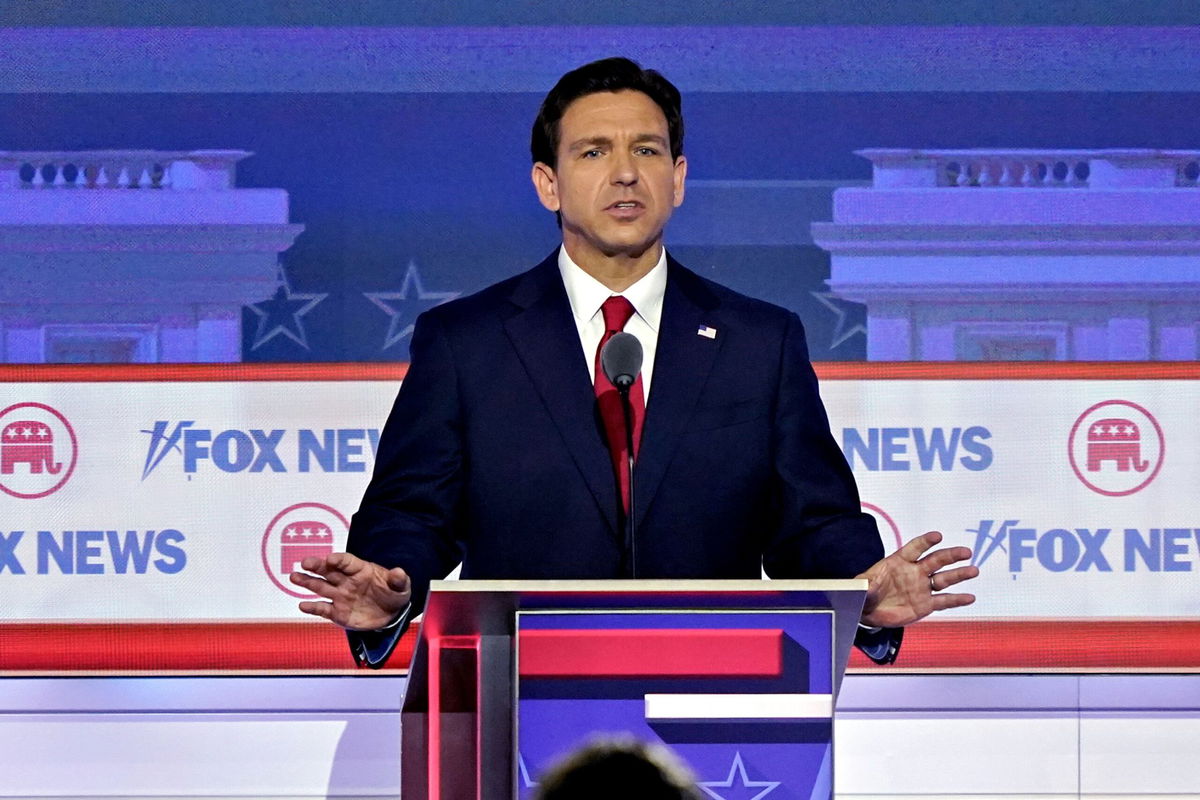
<point x="744" y="697"/>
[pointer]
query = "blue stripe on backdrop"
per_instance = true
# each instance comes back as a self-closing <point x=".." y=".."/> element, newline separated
<point x="642" y="12"/>
<point x="968" y="57"/>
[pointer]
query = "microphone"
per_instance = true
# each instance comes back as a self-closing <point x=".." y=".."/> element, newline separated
<point x="621" y="360"/>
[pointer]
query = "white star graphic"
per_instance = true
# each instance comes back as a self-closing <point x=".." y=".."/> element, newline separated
<point x="526" y="782"/>
<point x="744" y="782"/>
<point x="398" y="328"/>
<point x="837" y="306"/>
<point x="280" y="315"/>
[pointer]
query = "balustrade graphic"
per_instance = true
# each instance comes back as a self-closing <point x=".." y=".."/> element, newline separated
<point x="1022" y="254"/>
<point x="1025" y="168"/>
<point x="119" y="169"/>
<point x="181" y="248"/>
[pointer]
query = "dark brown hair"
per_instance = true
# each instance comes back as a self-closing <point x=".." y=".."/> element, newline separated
<point x="606" y="75"/>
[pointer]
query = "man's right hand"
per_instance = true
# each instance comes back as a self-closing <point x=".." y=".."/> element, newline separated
<point x="359" y="595"/>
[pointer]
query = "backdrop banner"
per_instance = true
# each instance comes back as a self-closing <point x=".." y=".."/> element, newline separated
<point x="188" y="493"/>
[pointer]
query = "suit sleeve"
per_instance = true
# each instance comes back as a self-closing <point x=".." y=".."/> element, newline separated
<point x="409" y="516"/>
<point x="822" y="530"/>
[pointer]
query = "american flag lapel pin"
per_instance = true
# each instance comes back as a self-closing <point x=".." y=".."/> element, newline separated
<point x="706" y="332"/>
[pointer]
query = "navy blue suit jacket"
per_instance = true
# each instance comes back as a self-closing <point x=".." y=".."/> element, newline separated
<point x="494" y="453"/>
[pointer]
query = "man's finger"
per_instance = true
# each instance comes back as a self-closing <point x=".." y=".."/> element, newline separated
<point x="914" y="548"/>
<point x="314" y="584"/>
<point x="317" y="609"/>
<point x="333" y="576"/>
<point x="952" y="600"/>
<point x="939" y="559"/>
<point x="344" y="562"/>
<point x="947" y="578"/>
<point x="314" y="564"/>
<point x="334" y="562"/>
<point x="336" y="578"/>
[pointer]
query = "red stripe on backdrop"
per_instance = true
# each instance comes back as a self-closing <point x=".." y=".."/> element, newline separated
<point x="1060" y="645"/>
<point x="650" y="653"/>
<point x="199" y="373"/>
<point x="1007" y="370"/>
<point x="826" y="370"/>
<point x="181" y="646"/>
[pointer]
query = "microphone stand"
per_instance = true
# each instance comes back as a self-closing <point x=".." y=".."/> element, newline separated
<point x="621" y="360"/>
<point x="627" y="409"/>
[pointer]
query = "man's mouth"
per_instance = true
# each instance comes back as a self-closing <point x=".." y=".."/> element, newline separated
<point x="626" y="210"/>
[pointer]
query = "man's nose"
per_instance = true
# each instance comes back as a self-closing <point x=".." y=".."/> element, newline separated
<point x="624" y="170"/>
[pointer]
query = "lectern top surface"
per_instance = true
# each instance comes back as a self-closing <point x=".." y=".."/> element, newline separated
<point x="649" y="585"/>
<point x="483" y="606"/>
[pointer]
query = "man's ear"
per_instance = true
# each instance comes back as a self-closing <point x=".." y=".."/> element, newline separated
<point x="680" y="179"/>
<point x="545" y="181"/>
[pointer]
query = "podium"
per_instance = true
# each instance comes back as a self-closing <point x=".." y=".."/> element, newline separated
<point x="739" y="678"/>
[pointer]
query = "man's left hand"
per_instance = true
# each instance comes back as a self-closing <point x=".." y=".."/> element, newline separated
<point x="908" y="585"/>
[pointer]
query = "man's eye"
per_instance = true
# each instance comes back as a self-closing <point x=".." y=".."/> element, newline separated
<point x="593" y="153"/>
<point x="646" y="151"/>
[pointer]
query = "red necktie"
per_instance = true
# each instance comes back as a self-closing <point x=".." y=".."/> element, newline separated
<point x="617" y="311"/>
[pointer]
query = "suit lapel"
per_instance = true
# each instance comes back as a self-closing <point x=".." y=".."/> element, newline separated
<point x="682" y="362"/>
<point x="543" y="333"/>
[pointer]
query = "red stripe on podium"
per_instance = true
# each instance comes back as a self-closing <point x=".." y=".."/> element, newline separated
<point x="650" y="653"/>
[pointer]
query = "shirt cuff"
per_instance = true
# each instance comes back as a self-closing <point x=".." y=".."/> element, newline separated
<point x="373" y="648"/>
<point x="881" y="645"/>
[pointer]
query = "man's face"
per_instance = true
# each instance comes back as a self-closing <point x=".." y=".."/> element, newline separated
<point x="615" y="184"/>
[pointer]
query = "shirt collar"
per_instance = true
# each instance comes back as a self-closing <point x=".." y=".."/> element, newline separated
<point x="587" y="294"/>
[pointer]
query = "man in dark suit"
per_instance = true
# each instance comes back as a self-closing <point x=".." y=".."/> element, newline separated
<point x="500" y="451"/>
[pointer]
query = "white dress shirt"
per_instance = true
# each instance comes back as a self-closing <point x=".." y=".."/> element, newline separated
<point x="587" y="295"/>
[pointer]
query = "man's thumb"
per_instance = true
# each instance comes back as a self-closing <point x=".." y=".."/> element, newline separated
<point x="397" y="580"/>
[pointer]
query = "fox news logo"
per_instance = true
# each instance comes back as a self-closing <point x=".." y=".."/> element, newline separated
<point x="256" y="450"/>
<point x="92" y="552"/>
<point x="1027" y="548"/>
<point x="918" y="449"/>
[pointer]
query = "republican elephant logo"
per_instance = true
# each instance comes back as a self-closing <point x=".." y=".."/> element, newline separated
<point x="302" y="539"/>
<point x="889" y="532"/>
<point x="1116" y="440"/>
<point x="1116" y="448"/>
<point x="294" y="534"/>
<point x="38" y="450"/>
<point x="28" y="442"/>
